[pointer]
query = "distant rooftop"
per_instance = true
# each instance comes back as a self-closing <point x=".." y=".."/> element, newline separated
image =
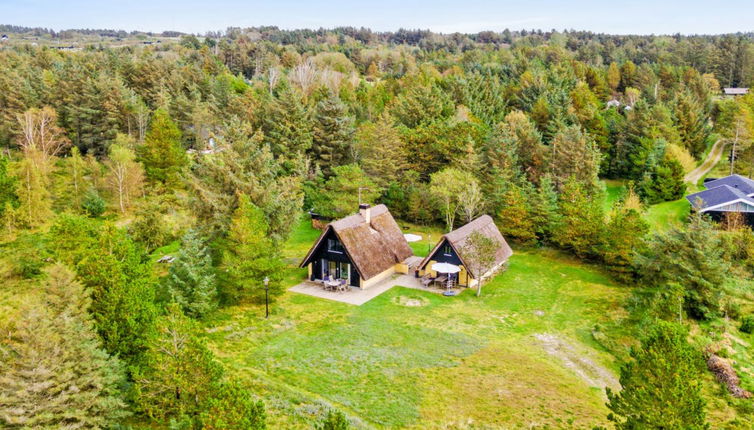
<point x="735" y="91"/>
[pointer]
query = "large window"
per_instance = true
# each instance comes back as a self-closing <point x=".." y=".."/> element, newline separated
<point x="334" y="245"/>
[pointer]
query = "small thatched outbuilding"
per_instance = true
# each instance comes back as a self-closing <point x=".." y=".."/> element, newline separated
<point x="363" y="248"/>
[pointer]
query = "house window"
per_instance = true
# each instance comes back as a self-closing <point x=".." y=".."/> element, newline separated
<point x="447" y="250"/>
<point x="333" y="245"/>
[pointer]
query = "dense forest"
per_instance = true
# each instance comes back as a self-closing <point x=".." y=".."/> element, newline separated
<point x="221" y="142"/>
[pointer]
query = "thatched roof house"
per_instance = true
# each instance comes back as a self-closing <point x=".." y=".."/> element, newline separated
<point x="452" y="249"/>
<point x="362" y="248"/>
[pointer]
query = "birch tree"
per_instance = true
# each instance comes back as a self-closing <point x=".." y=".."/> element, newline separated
<point x="125" y="175"/>
<point x="447" y="187"/>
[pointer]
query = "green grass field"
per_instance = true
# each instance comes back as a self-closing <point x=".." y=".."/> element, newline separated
<point x="521" y="355"/>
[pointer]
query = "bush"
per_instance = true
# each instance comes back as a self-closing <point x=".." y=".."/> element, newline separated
<point x="335" y="420"/>
<point x="747" y="324"/>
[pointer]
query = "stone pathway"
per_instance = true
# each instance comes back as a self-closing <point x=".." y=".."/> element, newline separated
<point x="358" y="296"/>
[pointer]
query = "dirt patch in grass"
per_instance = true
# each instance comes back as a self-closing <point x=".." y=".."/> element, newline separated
<point x="411" y="302"/>
<point x="586" y="368"/>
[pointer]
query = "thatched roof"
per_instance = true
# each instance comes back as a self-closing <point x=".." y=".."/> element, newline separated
<point x="457" y="239"/>
<point x="373" y="247"/>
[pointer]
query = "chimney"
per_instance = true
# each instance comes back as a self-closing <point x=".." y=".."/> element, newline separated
<point x="366" y="211"/>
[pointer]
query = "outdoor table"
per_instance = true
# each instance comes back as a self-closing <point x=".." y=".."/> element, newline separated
<point x="331" y="285"/>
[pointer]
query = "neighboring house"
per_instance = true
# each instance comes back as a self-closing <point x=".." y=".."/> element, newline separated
<point x="363" y="249"/>
<point x="733" y="92"/>
<point x="450" y="249"/>
<point x="734" y="193"/>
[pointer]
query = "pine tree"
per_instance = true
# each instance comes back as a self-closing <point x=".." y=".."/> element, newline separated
<point x="665" y="183"/>
<point x="287" y="125"/>
<point x="623" y="237"/>
<point x="691" y="257"/>
<point x="162" y="153"/>
<point x="332" y="134"/>
<point x="339" y="195"/>
<point x="232" y="407"/>
<point x="543" y="205"/>
<point x="662" y="385"/>
<point x="574" y="154"/>
<point x="119" y="276"/>
<point x="515" y="219"/>
<point x="249" y="256"/>
<point x="581" y="222"/>
<point x="178" y="373"/>
<point x="191" y="279"/>
<point x="54" y="373"/>
<point x="382" y="153"/>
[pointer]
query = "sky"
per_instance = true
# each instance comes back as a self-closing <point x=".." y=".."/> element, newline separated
<point x="467" y="16"/>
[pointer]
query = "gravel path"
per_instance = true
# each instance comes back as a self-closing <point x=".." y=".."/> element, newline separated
<point x="711" y="161"/>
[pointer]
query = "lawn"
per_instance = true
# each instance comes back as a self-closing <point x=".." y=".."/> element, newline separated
<point x="520" y="355"/>
<point x="667" y="214"/>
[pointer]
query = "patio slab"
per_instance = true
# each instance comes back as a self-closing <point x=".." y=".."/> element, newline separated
<point x="356" y="296"/>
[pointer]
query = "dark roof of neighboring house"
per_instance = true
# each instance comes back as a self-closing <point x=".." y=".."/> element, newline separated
<point x="736" y="91"/>
<point x="457" y="239"/>
<point x="373" y="247"/>
<point x="716" y="196"/>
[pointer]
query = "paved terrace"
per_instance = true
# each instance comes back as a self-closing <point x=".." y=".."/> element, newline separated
<point x="358" y="297"/>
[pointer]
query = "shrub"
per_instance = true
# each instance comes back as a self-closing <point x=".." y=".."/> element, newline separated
<point x="747" y="324"/>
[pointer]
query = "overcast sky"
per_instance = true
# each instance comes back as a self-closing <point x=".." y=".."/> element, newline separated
<point x="198" y="16"/>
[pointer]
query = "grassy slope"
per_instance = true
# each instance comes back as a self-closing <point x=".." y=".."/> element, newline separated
<point x="453" y="361"/>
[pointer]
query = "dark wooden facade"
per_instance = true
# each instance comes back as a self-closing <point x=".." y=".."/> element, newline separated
<point x="331" y="258"/>
<point x="444" y="253"/>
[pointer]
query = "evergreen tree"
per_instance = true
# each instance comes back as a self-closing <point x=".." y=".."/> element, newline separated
<point x="543" y="208"/>
<point x="287" y="125"/>
<point x="665" y="183"/>
<point x="662" y="385"/>
<point x="623" y="237"/>
<point x="691" y="257"/>
<point x="232" y="407"/>
<point x="332" y="134"/>
<point x="178" y="374"/>
<point x="382" y="153"/>
<point x="341" y="192"/>
<point x="692" y="121"/>
<point x="162" y="153"/>
<point x="581" y="222"/>
<point x="515" y="218"/>
<point x="574" y="154"/>
<point x="191" y="279"/>
<point x="249" y="257"/>
<point x="246" y="165"/>
<point x="119" y="277"/>
<point x="54" y="373"/>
